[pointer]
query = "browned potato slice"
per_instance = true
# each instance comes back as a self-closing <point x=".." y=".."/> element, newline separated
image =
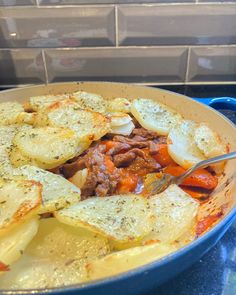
<point x="57" y="192"/>
<point x="87" y="124"/>
<point x="122" y="218"/>
<point x="47" y="147"/>
<point x="125" y="260"/>
<point x="14" y="209"/>
<point x="56" y="257"/>
<point x="39" y="102"/>
<point x="154" y="116"/>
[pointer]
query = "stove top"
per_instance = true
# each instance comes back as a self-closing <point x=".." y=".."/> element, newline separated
<point x="215" y="272"/>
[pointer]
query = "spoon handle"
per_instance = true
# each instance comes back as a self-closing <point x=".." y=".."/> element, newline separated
<point x="206" y="163"/>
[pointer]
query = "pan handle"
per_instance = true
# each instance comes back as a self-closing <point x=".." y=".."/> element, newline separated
<point x="219" y="102"/>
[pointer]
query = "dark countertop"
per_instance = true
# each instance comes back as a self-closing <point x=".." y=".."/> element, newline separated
<point x="215" y="272"/>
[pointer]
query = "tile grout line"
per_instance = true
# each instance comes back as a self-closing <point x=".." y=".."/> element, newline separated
<point x="116" y="25"/>
<point x="45" y="66"/>
<point x="188" y="65"/>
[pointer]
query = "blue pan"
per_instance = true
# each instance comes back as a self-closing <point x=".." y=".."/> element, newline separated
<point x="145" y="278"/>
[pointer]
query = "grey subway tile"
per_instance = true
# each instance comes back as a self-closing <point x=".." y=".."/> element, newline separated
<point x="215" y="1"/>
<point x="75" y="2"/>
<point x="17" y="2"/>
<point x="117" y="64"/>
<point x="212" y="64"/>
<point x="177" y="24"/>
<point x="57" y="27"/>
<point x="24" y="66"/>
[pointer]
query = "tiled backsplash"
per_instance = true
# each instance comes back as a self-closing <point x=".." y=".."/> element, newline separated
<point x="141" y="41"/>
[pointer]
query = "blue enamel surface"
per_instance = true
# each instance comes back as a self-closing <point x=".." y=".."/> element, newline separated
<point x="219" y="102"/>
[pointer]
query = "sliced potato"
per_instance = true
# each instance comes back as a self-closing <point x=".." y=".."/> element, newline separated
<point x="19" y="199"/>
<point x="88" y="125"/>
<point x="123" y="129"/>
<point x="17" y="159"/>
<point x="38" y="102"/>
<point x="90" y="101"/>
<point x="56" y="257"/>
<point x="154" y="116"/>
<point x="119" y="104"/>
<point x="208" y="141"/>
<point x="175" y="213"/>
<point x="7" y="134"/>
<point x="122" y="218"/>
<point x="125" y="260"/>
<point x="13" y="243"/>
<point x="9" y="112"/>
<point x="57" y="192"/>
<point x="182" y="146"/>
<point x="47" y="146"/>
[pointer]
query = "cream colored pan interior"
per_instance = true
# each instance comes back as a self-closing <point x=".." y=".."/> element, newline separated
<point x="225" y="194"/>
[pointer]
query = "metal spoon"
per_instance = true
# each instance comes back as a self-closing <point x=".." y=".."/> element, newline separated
<point x="166" y="180"/>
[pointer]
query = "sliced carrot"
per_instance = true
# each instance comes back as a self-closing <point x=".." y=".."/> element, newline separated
<point x="200" y="178"/>
<point x="151" y="242"/>
<point x="110" y="144"/>
<point x="109" y="164"/>
<point x="193" y="193"/>
<point x="162" y="156"/>
<point x="128" y="182"/>
<point x="4" y="267"/>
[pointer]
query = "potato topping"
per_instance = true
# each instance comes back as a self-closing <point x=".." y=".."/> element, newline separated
<point x="14" y="242"/>
<point x="154" y="116"/>
<point x="125" y="260"/>
<point x="19" y="199"/>
<point x="175" y="213"/>
<point x="90" y="101"/>
<point x="39" y="102"/>
<point x="122" y="217"/>
<point x="47" y="147"/>
<point x="57" y="192"/>
<point x="68" y="114"/>
<point x="119" y="104"/>
<point x="9" y="112"/>
<point x="181" y="145"/>
<point x="56" y="257"/>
